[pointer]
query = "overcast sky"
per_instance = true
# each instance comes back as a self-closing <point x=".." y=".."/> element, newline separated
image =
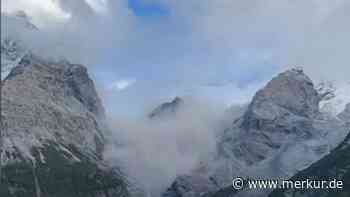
<point x="143" y="52"/>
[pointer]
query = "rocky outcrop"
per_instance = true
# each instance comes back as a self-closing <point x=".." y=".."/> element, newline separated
<point x="168" y="109"/>
<point x="53" y="134"/>
<point x="281" y="132"/>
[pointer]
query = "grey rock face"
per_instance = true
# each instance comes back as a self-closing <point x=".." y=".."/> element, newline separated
<point x="53" y="133"/>
<point x="51" y="101"/>
<point x="83" y="89"/>
<point x="290" y="93"/>
<point x="167" y="109"/>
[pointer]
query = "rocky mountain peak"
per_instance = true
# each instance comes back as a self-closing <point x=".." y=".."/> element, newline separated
<point x="83" y="89"/>
<point x="291" y="92"/>
<point x="52" y="125"/>
<point x="74" y="76"/>
<point x="167" y="109"/>
<point x="56" y="101"/>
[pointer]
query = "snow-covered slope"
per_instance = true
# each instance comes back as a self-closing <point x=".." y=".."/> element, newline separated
<point x="281" y="132"/>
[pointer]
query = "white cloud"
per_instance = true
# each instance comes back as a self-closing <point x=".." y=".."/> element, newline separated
<point x="41" y="11"/>
<point x="122" y="84"/>
<point x="99" y="6"/>
<point x="71" y="29"/>
<point x="342" y="98"/>
<point x="311" y="33"/>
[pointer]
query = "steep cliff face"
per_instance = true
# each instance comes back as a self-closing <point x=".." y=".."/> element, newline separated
<point x="53" y="133"/>
<point x="281" y="132"/>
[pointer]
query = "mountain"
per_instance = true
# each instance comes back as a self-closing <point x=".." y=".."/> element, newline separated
<point x="167" y="109"/>
<point x="281" y="132"/>
<point x="53" y="133"/>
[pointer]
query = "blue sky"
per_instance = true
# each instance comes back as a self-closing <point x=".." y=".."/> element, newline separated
<point x="148" y="10"/>
<point x="144" y="52"/>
